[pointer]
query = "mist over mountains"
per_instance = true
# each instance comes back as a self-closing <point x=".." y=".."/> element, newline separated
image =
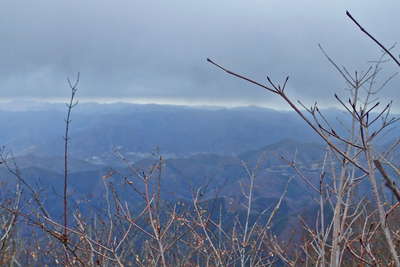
<point x="204" y="148"/>
<point x="200" y="144"/>
<point x="139" y="129"/>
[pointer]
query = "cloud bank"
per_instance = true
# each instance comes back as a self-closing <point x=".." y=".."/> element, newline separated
<point x="158" y="49"/>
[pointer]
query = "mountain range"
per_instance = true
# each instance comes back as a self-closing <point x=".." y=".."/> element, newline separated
<point x="211" y="149"/>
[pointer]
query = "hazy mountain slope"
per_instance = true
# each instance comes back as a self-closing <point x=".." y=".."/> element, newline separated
<point x="97" y="129"/>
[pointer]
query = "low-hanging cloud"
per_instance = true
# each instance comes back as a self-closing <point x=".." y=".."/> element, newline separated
<point x="157" y="49"/>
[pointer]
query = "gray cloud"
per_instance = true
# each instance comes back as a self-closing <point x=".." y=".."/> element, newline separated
<point x="157" y="49"/>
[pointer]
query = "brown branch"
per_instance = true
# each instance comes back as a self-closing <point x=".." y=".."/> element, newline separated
<point x="70" y="105"/>
<point x="373" y="38"/>
<point x="389" y="182"/>
<point x="242" y="77"/>
<point x="298" y="111"/>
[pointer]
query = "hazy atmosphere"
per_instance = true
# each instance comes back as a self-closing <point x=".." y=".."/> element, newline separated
<point x="184" y="142"/>
<point x="147" y="51"/>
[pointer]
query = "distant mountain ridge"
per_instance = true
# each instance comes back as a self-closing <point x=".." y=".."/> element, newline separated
<point x="222" y="180"/>
<point x="176" y="130"/>
<point x="219" y="175"/>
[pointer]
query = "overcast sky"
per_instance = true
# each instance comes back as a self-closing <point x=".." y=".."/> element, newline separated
<point x="156" y="50"/>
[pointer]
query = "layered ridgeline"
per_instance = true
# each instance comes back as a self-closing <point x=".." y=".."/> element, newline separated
<point x="203" y="147"/>
<point x="222" y="179"/>
<point x="139" y="129"/>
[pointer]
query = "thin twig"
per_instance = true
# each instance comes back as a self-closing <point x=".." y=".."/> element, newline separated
<point x="373" y="38"/>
